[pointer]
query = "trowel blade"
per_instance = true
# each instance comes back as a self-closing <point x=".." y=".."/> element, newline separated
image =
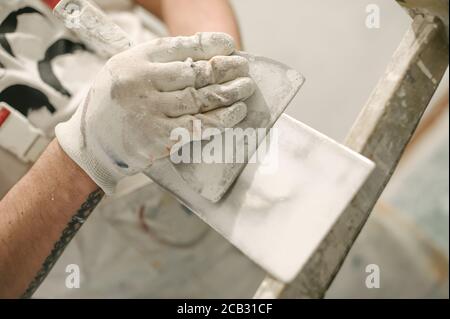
<point x="277" y="216"/>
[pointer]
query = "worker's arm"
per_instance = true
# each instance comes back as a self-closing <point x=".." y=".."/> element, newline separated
<point x="186" y="17"/>
<point x="38" y="217"/>
<point x="123" y="126"/>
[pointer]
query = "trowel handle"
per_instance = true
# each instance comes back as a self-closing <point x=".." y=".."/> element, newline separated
<point x="94" y="28"/>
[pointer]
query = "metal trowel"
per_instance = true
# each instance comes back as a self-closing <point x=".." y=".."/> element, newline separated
<point x="275" y="210"/>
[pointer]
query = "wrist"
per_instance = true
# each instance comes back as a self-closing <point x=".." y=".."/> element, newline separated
<point x="87" y="154"/>
<point x="69" y="169"/>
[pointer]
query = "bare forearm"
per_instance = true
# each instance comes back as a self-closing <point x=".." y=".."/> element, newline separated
<point x="38" y="217"/>
<point x="186" y="17"/>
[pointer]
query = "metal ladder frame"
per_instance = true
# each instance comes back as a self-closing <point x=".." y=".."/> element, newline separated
<point x="381" y="133"/>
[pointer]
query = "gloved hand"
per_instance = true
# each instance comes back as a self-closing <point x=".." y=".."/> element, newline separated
<point x="142" y="94"/>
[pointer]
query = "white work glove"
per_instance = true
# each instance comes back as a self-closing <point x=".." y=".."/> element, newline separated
<point x="141" y="95"/>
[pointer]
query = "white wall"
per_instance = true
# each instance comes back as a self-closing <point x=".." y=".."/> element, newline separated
<point x="328" y="42"/>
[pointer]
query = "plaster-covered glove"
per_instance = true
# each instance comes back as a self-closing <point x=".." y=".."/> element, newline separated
<point x="142" y="94"/>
